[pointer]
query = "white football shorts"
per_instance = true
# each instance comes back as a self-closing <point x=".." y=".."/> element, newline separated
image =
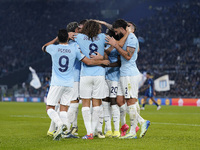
<point x="76" y="91"/>
<point x="112" y="88"/>
<point x="92" y="87"/>
<point x="60" y="94"/>
<point x="128" y="86"/>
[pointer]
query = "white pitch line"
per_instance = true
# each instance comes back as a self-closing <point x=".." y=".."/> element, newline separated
<point x="27" y="116"/>
<point x="179" y="124"/>
<point x="167" y="113"/>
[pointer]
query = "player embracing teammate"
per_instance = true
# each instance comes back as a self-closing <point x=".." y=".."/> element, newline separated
<point x="129" y="76"/>
<point x="92" y="78"/>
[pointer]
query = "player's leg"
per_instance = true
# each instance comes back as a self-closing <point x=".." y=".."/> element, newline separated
<point x="73" y="109"/>
<point x="75" y="104"/>
<point x="73" y="112"/>
<point x="96" y="113"/>
<point x="54" y="95"/>
<point x="138" y="111"/>
<point x="107" y="117"/>
<point x="52" y="127"/>
<point x="122" y="106"/>
<point x="144" y="123"/>
<point x="63" y="114"/>
<point x="86" y="95"/>
<point x="114" y="107"/>
<point x="98" y="93"/>
<point x="116" y="116"/>
<point x="65" y="117"/>
<point x="158" y="106"/>
<point x="87" y="117"/>
<point x="139" y="118"/>
<point x="144" y="103"/>
<point x="106" y="109"/>
<point x="100" y="122"/>
<point x="130" y="89"/>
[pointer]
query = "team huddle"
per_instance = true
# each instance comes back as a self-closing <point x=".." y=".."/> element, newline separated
<point x="101" y="70"/>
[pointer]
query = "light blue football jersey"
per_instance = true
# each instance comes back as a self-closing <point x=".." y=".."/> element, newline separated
<point x="77" y="66"/>
<point x="88" y="47"/>
<point x="112" y="73"/>
<point x="129" y="67"/>
<point x="63" y="58"/>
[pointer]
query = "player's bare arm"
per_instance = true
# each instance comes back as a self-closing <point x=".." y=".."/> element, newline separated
<point x="49" y="43"/>
<point x="109" y="26"/>
<point x="126" y="54"/>
<point x="108" y="51"/>
<point x="92" y="62"/>
<point x="130" y="51"/>
<point x="123" y="39"/>
<point x="116" y="64"/>
<point x="99" y="56"/>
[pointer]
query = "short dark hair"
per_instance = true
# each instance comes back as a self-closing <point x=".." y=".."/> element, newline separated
<point x="83" y="21"/>
<point x="149" y="73"/>
<point x="120" y="23"/>
<point x="133" y="25"/>
<point x="111" y="33"/>
<point x="62" y="35"/>
<point x="71" y="27"/>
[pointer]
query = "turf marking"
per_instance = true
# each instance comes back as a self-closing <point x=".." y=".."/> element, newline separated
<point x="27" y="116"/>
<point x="179" y="124"/>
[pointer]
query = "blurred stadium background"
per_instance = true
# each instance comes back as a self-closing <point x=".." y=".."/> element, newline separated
<point x="168" y="32"/>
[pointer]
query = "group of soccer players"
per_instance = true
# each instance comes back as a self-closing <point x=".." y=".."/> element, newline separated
<point x="102" y="71"/>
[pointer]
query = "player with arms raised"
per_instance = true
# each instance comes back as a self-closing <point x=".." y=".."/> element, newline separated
<point x="129" y="75"/>
<point x="92" y="80"/>
<point x="61" y="89"/>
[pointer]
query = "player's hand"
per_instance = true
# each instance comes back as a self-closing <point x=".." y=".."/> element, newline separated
<point x="129" y="29"/>
<point x="106" y="62"/>
<point x="56" y="39"/>
<point x="111" y="41"/>
<point x="97" y="56"/>
<point x="154" y="93"/>
<point x="72" y="35"/>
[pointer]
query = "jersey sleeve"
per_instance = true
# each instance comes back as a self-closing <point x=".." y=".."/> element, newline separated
<point x="131" y="41"/>
<point x="79" y="55"/>
<point x="49" y="49"/>
<point x="77" y="37"/>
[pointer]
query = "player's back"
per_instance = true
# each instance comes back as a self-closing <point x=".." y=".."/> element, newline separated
<point x="77" y="66"/>
<point x="63" y="57"/>
<point x="88" y="47"/>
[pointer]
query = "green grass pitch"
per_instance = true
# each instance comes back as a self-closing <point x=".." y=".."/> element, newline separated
<point x="24" y="126"/>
